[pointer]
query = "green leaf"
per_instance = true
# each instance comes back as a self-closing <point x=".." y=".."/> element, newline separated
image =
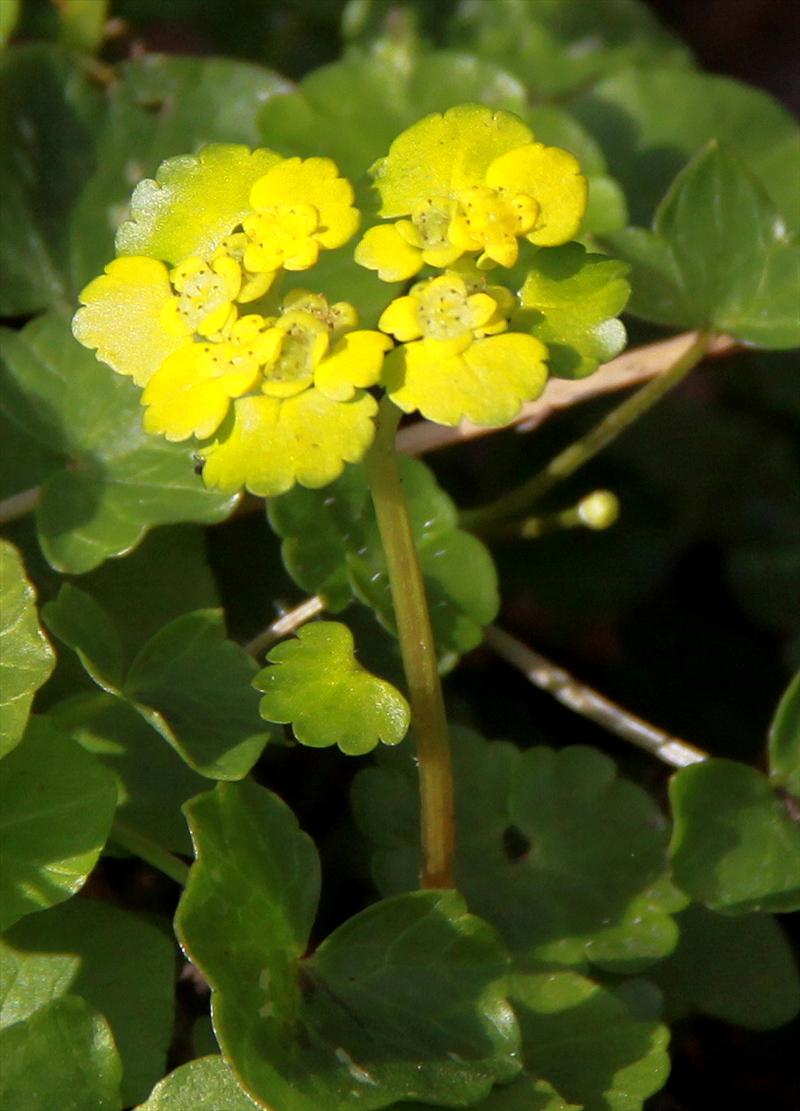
<point x="332" y="546"/>
<point x="735" y="846"/>
<point x="188" y="682"/>
<point x="82" y="25"/>
<point x="9" y="14"/>
<point x="557" y="46"/>
<point x="26" y="658"/>
<point x="153" y="782"/>
<point x="63" y="1056"/>
<point x="738" y="272"/>
<point x="46" y="106"/>
<point x="56" y="807"/>
<point x="318" y="685"/>
<point x="740" y="970"/>
<point x="566" y="860"/>
<point x="651" y="120"/>
<point x="77" y="948"/>
<point x="114" y="481"/>
<point x="570" y="301"/>
<point x="784" y="740"/>
<point x="404" y="1001"/>
<point x="205" y="1084"/>
<point x="585" y="1041"/>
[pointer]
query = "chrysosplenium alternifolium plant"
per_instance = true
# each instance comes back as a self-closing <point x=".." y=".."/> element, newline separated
<point x="277" y="390"/>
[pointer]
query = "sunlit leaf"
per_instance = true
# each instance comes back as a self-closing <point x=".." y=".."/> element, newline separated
<point x="205" y="1084"/>
<point x="784" y="740"/>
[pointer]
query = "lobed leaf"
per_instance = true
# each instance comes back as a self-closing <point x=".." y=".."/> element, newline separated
<point x="318" y="686"/>
<point x="564" y="859"/>
<point x="62" y="1056"/>
<point x="331" y="546"/>
<point x="738" y="272"/>
<point x="76" y="948"/>
<point x="26" y="658"/>
<point x="735" y="846"/>
<point x="403" y="1001"/>
<point x="56" y="807"/>
<point x="188" y="682"/>
<point x="570" y="301"/>
<point x="113" y="482"/>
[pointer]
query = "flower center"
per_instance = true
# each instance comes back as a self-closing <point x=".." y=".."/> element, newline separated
<point x="204" y="296"/>
<point x="304" y="340"/>
<point x="492" y="220"/>
<point x="281" y="237"/>
<point x="432" y="221"/>
<point x="444" y="310"/>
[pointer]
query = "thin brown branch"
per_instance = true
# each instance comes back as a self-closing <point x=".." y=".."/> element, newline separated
<point x="631" y="368"/>
<point x="287" y="623"/>
<point x="575" y="695"/>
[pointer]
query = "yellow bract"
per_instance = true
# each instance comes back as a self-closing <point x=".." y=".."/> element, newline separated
<point x="282" y="394"/>
<point x="471" y="181"/>
<point x="456" y="359"/>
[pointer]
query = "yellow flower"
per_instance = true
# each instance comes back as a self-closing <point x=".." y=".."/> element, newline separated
<point x="471" y="181"/>
<point x="456" y="359"/>
<point x="281" y="395"/>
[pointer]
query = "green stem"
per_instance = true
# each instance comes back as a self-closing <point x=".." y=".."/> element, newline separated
<point x="581" y="451"/>
<point x="150" y="852"/>
<point x="19" y="504"/>
<point x="418" y="651"/>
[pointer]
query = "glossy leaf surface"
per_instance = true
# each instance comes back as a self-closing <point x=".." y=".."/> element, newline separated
<point x="736" y="846"/>
<point x="316" y="684"/>
<point x="56" y="807"/>
<point x="26" y="658"/>
<point x="113" y="481"/>
<point x="122" y="965"/>
<point x="566" y="860"/>
<point x="205" y="1084"/>
<point x="784" y="740"/>
<point x="331" y="546"/>
<point x="405" y="1000"/>
<point x="738" y="273"/>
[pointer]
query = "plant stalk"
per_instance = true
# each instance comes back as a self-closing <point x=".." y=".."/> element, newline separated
<point x="581" y="451"/>
<point x="418" y="650"/>
<point x="150" y="852"/>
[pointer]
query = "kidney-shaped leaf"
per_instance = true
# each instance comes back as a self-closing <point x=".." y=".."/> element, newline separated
<point x="719" y="257"/>
<point x="736" y="844"/>
<point x="570" y="301"/>
<point x="26" y="658"/>
<point x="566" y="860"/>
<point x="784" y="740"/>
<point x="404" y="1001"/>
<point x="332" y="546"/>
<point x="56" y="807"/>
<point x="115" y="481"/>
<point x="318" y="685"/>
<point x="62" y="1056"/>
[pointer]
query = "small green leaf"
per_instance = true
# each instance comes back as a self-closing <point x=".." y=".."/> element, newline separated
<point x="188" y="682"/>
<point x="650" y="120"/>
<point x="738" y="969"/>
<point x="9" y="14"/>
<point x="570" y="301"/>
<point x="26" y="658"/>
<point x="205" y="1084"/>
<point x="556" y="46"/>
<point x="566" y="860"/>
<point x="404" y="1001"/>
<point x="784" y="740"/>
<point x="63" y="1056"/>
<point x="76" y="948"/>
<point x="56" y="807"/>
<point x="114" y="481"/>
<point x="317" y="684"/>
<point x="332" y="546"/>
<point x="82" y="23"/>
<point x="735" y="846"/>
<point x="584" y="1040"/>
<point x="719" y="257"/>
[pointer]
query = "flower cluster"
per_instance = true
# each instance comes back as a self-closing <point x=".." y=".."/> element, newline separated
<point x="277" y="391"/>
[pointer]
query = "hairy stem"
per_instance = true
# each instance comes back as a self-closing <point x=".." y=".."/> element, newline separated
<point x="590" y="703"/>
<point x="581" y="451"/>
<point x="151" y="852"/>
<point x="417" y="647"/>
<point x="19" y="504"/>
